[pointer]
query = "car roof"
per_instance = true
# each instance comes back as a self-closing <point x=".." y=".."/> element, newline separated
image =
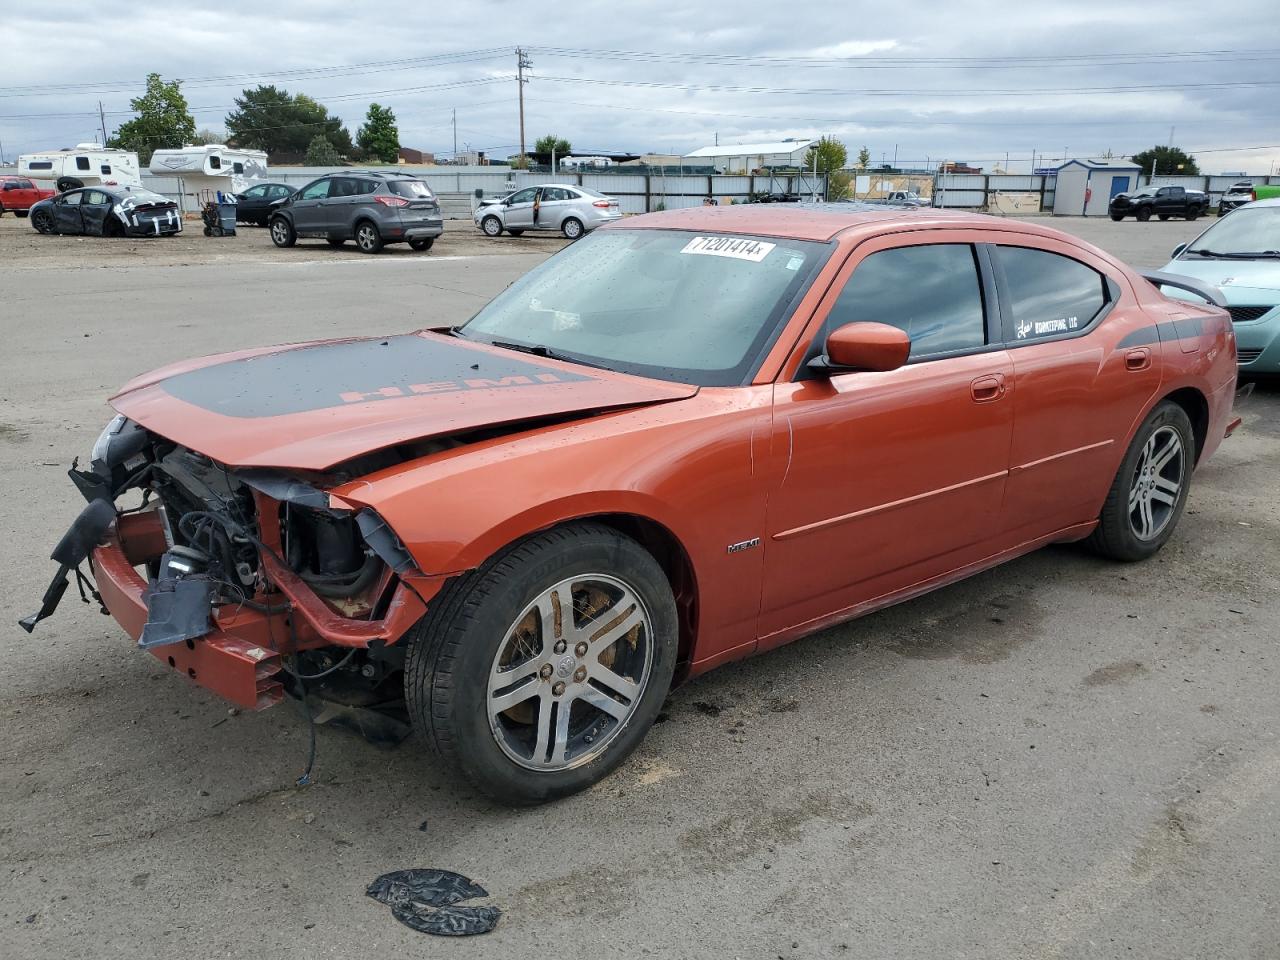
<point x="383" y="174"/>
<point x="824" y="223"/>
<point x="1268" y="202"/>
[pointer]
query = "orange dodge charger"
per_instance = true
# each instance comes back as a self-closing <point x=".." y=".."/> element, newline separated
<point x="686" y="438"/>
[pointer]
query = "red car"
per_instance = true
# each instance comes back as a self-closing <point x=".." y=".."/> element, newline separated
<point x="18" y="195"/>
<point x="687" y="438"/>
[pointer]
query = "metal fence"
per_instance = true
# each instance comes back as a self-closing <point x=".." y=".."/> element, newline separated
<point x="976" y="191"/>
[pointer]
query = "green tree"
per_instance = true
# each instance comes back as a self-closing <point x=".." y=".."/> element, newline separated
<point x="553" y="144"/>
<point x="379" y="137"/>
<point x="164" y="120"/>
<point x="839" y="185"/>
<point x="864" y="158"/>
<point x="1169" y="162"/>
<point x="320" y="152"/>
<point x="830" y="153"/>
<point x="272" y="119"/>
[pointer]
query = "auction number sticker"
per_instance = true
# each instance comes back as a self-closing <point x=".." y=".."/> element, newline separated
<point x="735" y="248"/>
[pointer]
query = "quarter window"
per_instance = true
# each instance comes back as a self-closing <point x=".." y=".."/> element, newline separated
<point x="1049" y="295"/>
<point x="930" y="291"/>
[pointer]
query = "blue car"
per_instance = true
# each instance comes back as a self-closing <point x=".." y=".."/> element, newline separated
<point x="1240" y="255"/>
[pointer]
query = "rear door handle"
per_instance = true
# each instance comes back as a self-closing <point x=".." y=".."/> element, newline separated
<point x="988" y="388"/>
<point x="1139" y="359"/>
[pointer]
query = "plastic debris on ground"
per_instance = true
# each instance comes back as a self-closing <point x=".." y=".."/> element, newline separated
<point x="423" y="900"/>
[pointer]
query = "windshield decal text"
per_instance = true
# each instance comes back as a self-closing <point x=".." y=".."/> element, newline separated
<point x="735" y="248"/>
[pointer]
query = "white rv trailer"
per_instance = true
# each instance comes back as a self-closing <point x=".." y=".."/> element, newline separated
<point x="86" y="164"/>
<point x="213" y="166"/>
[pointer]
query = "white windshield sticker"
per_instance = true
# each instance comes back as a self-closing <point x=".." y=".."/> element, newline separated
<point x="733" y="247"/>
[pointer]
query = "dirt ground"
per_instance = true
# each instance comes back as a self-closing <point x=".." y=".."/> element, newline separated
<point x="21" y="248"/>
<point x="1059" y="758"/>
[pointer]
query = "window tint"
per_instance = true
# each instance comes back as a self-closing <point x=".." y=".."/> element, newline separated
<point x="82" y="163"/>
<point x="40" y="165"/>
<point x="524" y="196"/>
<point x="555" y="193"/>
<point x="215" y="163"/>
<point x="72" y="199"/>
<point x="366" y="186"/>
<point x="344" y="187"/>
<point x="1049" y="295"/>
<point x="23" y="185"/>
<point x="237" y="168"/>
<point x="96" y="198"/>
<point x="932" y="292"/>
<point x="105" y="168"/>
<point x="409" y="188"/>
<point x="280" y="192"/>
<point x="316" y="191"/>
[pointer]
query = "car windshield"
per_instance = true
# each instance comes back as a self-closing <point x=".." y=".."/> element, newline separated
<point x="687" y="307"/>
<point x="1246" y="231"/>
<point x="409" y="188"/>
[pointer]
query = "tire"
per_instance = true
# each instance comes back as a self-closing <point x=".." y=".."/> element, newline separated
<point x="1127" y="530"/>
<point x="1" y="209"/>
<point x="1117" y="217"/>
<point x="1164" y="216"/>
<point x="21" y="214"/>
<point x="43" y="222"/>
<point x="1144" y="214"/>
<point x="112" y="228"/>
<point x="68" y="183"/>
<point x="335" y="241"/>
<point x="1193" y="213"/>
<point x="491" y="226"/>
<point x="282" y="232"/>
<point x="422" y="243"/>
<point x="516" y="233"/>
<point x="208" y="231"/>
<point x="477" y="626"/>
<point x="368" y="239"/>
<point x="571" y="228"/>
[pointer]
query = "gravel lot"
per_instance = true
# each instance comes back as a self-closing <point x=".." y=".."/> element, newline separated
<point x="1059" y="758"/>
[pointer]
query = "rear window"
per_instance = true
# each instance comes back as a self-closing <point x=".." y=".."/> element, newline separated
<point x="409" y="188"/>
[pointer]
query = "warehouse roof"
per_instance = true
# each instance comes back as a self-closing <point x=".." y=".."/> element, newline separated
<point x="751" y="149"/>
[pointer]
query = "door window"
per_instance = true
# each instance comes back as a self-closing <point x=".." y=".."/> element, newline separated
<point x="279" y="193"/>
<point x="71" y="199"/>
<point x="96" y="198"/>
<point x="344" y="187"/>
<point x="524" y="196"/>
<point x="364" y="187"/>
<point x="1049" y="295"/>
<point x="931" y="291"/>
<point x="554" y="193"/>
<point x="257" y="193"/>
<point x="316" y="191"/>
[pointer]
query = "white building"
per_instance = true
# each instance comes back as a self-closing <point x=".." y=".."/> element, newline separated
<point x="746" y="157"/>
<point x="1085" y="187"/>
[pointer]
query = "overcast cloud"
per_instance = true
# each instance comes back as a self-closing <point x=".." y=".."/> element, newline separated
<point x="969" y="112"/>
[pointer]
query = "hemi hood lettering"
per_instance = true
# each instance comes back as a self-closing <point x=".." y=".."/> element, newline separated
<point x="311" y="406"/>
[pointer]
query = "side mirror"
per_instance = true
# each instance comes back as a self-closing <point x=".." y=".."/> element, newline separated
<point x="865" y="346"/>
<point x="1177" y="251"/>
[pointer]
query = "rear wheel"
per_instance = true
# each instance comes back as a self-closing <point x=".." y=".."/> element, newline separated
<point x="21" y="213"/>
<point x="491" y="226"/>
<point x="571" y="228"/>
<point x="1150" y="490"/>
<point x="516" y="233"/>
<point x="422" y="243"/>
<point x="282" y="233"/>
<point x="42" y="220"/>
<point x="1164" y="216"/>
<point x="1117" y="217"/>
<point x="1144" y="214"/>
<point x="368" y="239"/>
<point x="537" y="674"/>
<point x="112" y="228"/>
<point x="335" y="241"/>
<point x="1193" y="213"/>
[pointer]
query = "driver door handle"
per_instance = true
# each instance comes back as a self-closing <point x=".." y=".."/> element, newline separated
<point x="988" y="388"/>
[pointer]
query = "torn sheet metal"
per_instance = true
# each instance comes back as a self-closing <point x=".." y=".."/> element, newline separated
<point x="424" y="900"/>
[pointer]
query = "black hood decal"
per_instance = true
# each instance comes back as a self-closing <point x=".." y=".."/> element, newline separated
<point x="359" y="371"/>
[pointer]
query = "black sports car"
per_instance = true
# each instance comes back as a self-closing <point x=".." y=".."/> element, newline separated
<point x="108" y="212"/>
<point x="256" y="204"/>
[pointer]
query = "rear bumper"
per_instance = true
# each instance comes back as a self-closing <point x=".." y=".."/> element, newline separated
<point x="417" y="231"/>
<point x="240" y="657"/>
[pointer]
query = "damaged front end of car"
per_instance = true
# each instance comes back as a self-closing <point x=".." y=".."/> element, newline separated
<point x="247" y="581"/>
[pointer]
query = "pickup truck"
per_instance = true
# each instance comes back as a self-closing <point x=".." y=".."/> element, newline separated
<point x="18" y="194"/>
<point x="1164" y="202"/>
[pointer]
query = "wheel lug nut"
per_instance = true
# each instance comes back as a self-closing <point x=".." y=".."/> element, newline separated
<point x="558" y="689"/>
<point x="580" y="649"/>
<point x="545" y="671"/>
<point x="560" y="646"/>
<point x="580" y="674"/>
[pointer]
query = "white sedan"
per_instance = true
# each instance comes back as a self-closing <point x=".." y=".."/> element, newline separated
<point x="563" y="208"/>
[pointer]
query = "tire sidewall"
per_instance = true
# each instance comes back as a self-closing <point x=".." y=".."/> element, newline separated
<point x="507" y="593"/>
<point x="495" y="231"/>
<point x="1166" y="414"/>
<point x="285" y="236"/>
<point x="571" y="231"/>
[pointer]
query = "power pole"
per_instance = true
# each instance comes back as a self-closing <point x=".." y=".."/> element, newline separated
<point x="522" y="64"/>
<point x="102" y="119"/>
<point x="455" y="134"/>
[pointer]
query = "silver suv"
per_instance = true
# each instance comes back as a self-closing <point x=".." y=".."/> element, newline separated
<point x="571" y="210"/>
<point x="372" y="208"/>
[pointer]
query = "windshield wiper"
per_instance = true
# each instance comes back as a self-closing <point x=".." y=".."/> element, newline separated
<point x="1237" y="255"/>
<point x="538" y="350"/>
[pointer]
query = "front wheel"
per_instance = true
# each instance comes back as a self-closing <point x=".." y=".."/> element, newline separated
<point x="368" y="239"/>
<point x="42" y="220"/>
<point x="491" y="226"/>
<point x="1164" y="216"/>
<point x="537" y="674"/>
<point x="1193" y="213"/>
<point x="1144" y="214"/>
<point x="1117" y="217"/>
<point x="422" y="243"/>
<point x="282" y="233"/>
<point x="335" y="241"/>
<point x="1150" y="490"/>
<point x="571" y="228"/>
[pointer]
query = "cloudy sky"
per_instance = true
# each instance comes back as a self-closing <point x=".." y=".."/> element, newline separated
<point x="970" y="82"/>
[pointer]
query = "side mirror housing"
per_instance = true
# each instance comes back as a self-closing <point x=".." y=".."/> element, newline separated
<point x="865" y="346"/>
<point x="1177" y="251"/>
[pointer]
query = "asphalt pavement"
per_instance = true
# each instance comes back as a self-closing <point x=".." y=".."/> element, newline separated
<point x="1062" y="757"/>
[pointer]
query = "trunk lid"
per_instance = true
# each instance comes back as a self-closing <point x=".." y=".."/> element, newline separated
<point x="312" y="406"/>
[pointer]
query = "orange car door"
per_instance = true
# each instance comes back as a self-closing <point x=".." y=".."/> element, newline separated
<point x="1081" y="384"/>
<point x="890" y="478"/>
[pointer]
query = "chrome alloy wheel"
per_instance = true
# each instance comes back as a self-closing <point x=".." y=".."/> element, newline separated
<point x="570" y="672"/>
<point x="279" y="232"/>
<point x="1157" y="483"/>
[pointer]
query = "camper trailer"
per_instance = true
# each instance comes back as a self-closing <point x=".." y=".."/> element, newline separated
<point x="85" y="165"/>
<point x="214" y="167"/>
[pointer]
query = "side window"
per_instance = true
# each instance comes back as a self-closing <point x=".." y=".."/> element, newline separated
<point x="237" y="167"/>
<point x="1164" y="191"/>
<point x="279" y="193"/>
<point x="366" y="186"/>
<point x="524" y="196"/>
<point x="931" y="291"/>
<point x="72" y="199"/>
<point x="316" y="191"/>
<point x="105" y="168"/>
<point x="256" y="193"/>
<point x="40" y="165"/>
<point x="24" y="185"/>
<point x="555" y="193"/>
<point x="215" y="163"/>
<point x="82" y="163"/>
<point x="1049" y="295"/>
<point x="96" y="198"/>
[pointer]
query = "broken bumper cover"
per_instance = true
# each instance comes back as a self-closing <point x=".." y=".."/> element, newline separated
<point x="239" y="658"/>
